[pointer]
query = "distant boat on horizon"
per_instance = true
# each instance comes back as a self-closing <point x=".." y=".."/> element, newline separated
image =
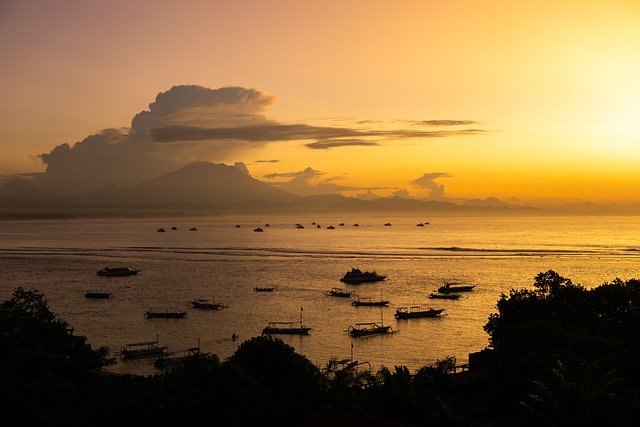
<point x="117" y="271"/>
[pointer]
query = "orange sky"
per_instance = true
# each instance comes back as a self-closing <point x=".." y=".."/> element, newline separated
<point x="554" y="85"/>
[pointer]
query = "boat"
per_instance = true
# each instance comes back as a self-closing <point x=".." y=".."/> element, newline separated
<point x="364" y="329"/>
<point x="420" y="225"/>
<point x="205" y="304"/>
<point x="331" y="227"/>
<point x="161" y="230"/>
<point x="268" y="289"/>
<point x="356" y="225"/>
<point x="259" y="230"/>
<point x="174" y="228"/>
<point x="450" y="295"/>
<point x="193" y="229"/>
<point x="357" y="276"/>
<point x="165" y="313"/>
<point x="117" y="271"/>
<point x="387" y="224"/>
<point x="449" y="287"/>
<point x="416" y="312"/>
<point x="341" y="293"/>
<point x="366" y="302"/>
<point x="318" y="226"/>
<point x="299" y="226"/>
<point x="97" y="295"/>
<point x="288" y="328"/>
<point x="170" y="360"/>
<point x="341" y="224"/>
<point x="267" y="225"/>
<point x="143" y="349"/>
<point x="238" y="226"/>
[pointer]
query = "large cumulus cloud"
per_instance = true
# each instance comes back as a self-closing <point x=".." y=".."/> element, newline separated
<point x="128" y="156"/>
<point x="435" y="191"/>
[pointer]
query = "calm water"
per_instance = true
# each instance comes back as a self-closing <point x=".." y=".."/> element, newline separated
<point x="220" y="261"/>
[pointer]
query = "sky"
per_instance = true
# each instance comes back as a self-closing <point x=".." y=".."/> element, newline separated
<point x="524" y="101"/>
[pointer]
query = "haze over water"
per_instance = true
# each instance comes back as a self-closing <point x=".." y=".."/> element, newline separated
<point x="60" y="258"/>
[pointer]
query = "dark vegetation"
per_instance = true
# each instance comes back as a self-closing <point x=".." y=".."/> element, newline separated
<point x="559" y="354"/>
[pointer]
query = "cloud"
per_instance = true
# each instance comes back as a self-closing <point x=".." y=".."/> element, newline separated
<point x="128" y="156"/>
<point x="305" y="174"/>
<point x="299" y="182"/>
<point x="242" y="167"/>
<point x="403" y="193"/>
<point x="333" y="143"/>
<point x="427" y="182"/>
<point x="367" y="195"/>
<point x="441" y="122"/>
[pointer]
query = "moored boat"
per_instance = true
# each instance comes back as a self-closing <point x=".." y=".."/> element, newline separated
<point x="364" y="329"/>
<point x="366" y="302"/>
<point x="117" y="271"/>
<point x="340" y="293"/>
<point x="455" y="287"/>
<point x="97" y="295"/>
<point x="165" y="313"/>
<point x="358" y="276"/>
<point x="173" y="359"/>
<point x="267" y="289"/>
<point x="205" y="304"/>
<point x="258" y="230"/>
<point x="416" y="312"/>
<point x="287" y="328"/>
<point x="444" y="296"/>
<point x="143" y="349"/>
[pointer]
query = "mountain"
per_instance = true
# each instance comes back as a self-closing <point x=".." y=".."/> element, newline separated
<point x="200" y="184"/>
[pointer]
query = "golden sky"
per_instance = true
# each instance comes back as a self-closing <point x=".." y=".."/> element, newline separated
<point x="553" y="85"/>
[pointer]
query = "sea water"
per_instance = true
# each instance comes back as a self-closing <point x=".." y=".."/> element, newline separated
<point x="225" y="263"/>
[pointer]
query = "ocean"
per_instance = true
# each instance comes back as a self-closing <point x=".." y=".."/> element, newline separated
<point x="223" y="262"/>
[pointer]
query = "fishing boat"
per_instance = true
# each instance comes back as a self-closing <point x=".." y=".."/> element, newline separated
<point x="117" y="271"/>
<point x="97" y="295"/>
<point x="387" y="224"/>
<point x="444" y="296"/>
<point x="193" y="229"/>
<point x="165" y="313"/>
<point x="161" y="230"/>
<point x="170" y="360"/>
<point x="268" y="289"/>
<point x="258" y="230"/>
<point x="366" y="302"/>
<point x="365" y="329"/>
<point x="174" y="228"/>
<point x="357" y="276"/>
<point x="143" y="349"/>
<point x="205" y="304"/>
<point x="340" y="293"/>
<point x="455" y="287"/>
<point x="416" y="312"/>
<point x="287" y="328"/>
<point x="299" y="226"/>
<point x="331" y="227"/>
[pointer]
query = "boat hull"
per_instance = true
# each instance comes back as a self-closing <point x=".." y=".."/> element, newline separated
<point x="286" y="331"/>
<point x="417" y="314"/>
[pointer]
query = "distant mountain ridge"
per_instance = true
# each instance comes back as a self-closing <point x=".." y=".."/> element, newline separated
<point x="203" y="188"/>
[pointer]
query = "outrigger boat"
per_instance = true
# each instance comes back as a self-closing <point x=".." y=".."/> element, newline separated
<point x="366" y="302"/>
<point x="340" y="293"/>
<point x="416" y="312"/>
<point x="165" y="313"/>
<point x="444" y="296"/>
<point x="287" y="328"/>
<point x="364" y="329"/>
<point x="117" y="271"/>
<point x="455" y="287"/>
<point x="143" y="349"/>
<point x="268" y="289"/>
<point x="205" y="304"/>
<point x="97" y="295"/>
<point x="169" y="360"/>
